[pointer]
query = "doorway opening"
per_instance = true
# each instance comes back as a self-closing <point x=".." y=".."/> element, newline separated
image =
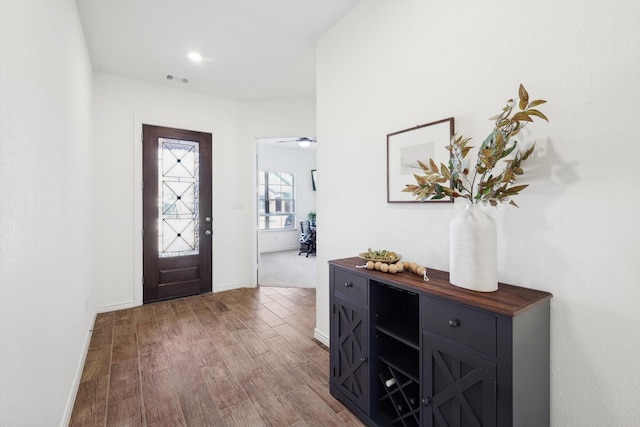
<point x="286" y="196"/>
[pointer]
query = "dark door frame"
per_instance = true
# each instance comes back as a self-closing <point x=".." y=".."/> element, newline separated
<point x="186" y="274"/>
<point x="137" y="279"/>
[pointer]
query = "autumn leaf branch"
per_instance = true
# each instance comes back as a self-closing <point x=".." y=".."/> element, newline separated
<point x="454" y="181"/>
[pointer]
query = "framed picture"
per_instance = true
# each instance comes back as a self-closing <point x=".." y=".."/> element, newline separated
<point x="314" y="178"/>
<point x="406" y="147"/>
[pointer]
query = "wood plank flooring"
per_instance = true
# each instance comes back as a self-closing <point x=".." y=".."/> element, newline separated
<point x="244" y="357"/>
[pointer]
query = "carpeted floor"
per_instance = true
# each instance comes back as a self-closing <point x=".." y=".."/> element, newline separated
<point x="287" y="269"/>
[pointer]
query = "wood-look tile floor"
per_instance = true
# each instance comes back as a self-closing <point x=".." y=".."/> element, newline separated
<point x="244" y="357"/>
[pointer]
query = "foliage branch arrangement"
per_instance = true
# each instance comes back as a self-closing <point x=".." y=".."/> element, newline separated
<point x="482" y="186"/>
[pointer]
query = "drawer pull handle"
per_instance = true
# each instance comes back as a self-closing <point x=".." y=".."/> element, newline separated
<point x="348" y="284"/>
<point x="454" y="323"/>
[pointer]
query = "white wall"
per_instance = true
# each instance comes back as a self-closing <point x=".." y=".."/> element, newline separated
<point x="300" y="162"/>
<point x="277" y="118"/>
<point x="47" y="302"/>
<point x="389" y="66"/>
<point x="270" y="119"/>
<point x="121" y="106"/>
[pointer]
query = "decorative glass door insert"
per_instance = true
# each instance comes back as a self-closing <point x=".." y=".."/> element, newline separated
<point x="178" y="215"/>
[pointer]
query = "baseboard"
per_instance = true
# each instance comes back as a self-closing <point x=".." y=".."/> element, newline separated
<point x="131" y="304"/>
<point x="232" y="286"/>
<point x="78" y="375"/>
<point x="321" y="337"/>
<point x="115" y="307"/>
<point x="285" y="249"/>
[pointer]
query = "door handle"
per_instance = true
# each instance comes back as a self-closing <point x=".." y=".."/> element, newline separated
<point x="207" y="232"/>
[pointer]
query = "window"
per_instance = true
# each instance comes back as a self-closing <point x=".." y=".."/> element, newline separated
<point x="276" y="200"/>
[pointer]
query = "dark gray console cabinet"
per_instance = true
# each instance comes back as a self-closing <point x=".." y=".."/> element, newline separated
<point x="405" y="352"/>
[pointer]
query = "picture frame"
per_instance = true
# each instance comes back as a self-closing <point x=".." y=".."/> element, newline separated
<point x="314" y="178"/>
<point x="406" y="147"/>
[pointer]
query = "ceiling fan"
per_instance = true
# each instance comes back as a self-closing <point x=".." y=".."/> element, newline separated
<point x="303" y="141"/>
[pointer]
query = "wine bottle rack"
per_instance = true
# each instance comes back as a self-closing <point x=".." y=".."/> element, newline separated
<point x="399" y="397"/>
<point x="397" y="343"/>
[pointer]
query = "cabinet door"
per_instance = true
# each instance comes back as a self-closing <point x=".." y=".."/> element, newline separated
<point x="349" y="348"/>
<point x="459" y="388"/>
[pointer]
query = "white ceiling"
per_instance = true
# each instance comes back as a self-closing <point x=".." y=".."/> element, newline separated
<point x="253" y="49"/>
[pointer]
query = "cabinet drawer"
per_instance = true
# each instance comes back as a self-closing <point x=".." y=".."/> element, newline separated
<point x="463" y="325"/>
<point x="350" y="286"/>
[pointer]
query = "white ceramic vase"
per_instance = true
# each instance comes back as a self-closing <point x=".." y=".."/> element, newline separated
<point x="473" y="255"/>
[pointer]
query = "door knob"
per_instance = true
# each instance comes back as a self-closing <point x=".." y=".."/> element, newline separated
<point x="207" y="232"/>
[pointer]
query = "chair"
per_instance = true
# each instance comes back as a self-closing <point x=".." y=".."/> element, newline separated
<point x="307" y="238"/>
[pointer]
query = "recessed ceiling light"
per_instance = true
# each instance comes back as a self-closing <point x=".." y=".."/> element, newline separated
<point x="195" y="56"/>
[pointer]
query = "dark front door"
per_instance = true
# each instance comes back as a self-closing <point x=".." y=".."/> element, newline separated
<point x="176" y="212"/>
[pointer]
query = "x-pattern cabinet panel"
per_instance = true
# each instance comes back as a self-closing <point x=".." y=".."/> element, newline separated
<point x="350" y="372"/>
<point x="462" y="390"/>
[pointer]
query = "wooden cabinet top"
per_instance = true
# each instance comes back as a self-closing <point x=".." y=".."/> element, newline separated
<point x="508" y="300"/>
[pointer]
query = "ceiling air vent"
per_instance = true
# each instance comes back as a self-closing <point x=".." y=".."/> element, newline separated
<point x="178" y="79"/>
